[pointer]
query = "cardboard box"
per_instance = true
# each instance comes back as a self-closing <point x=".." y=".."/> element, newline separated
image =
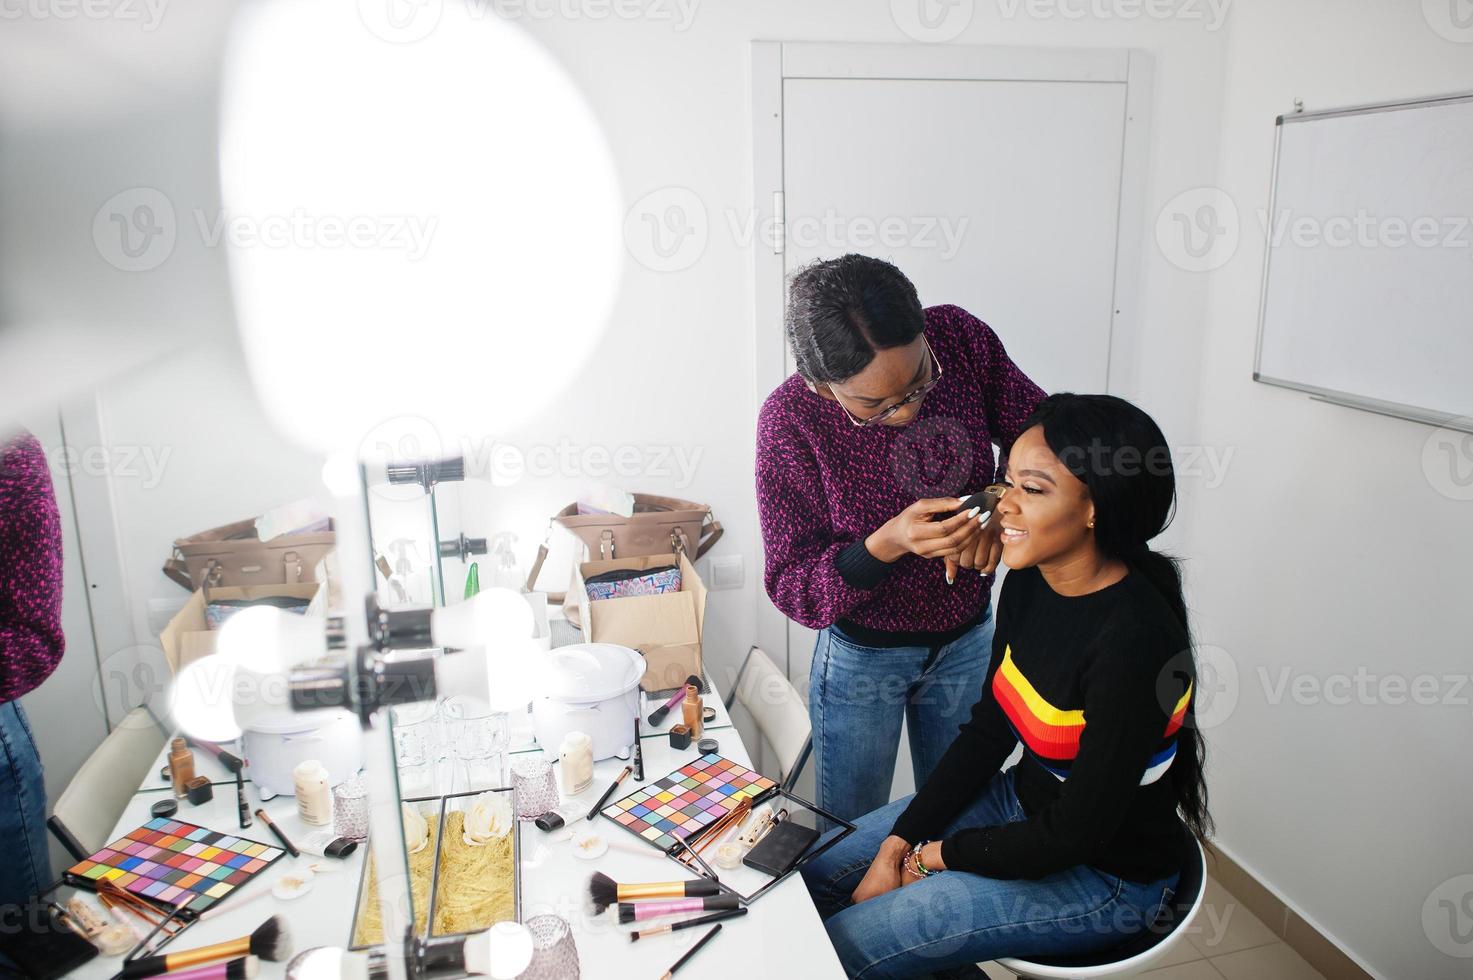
<point x="666" y="629"/>
<point x="187" y="638"/>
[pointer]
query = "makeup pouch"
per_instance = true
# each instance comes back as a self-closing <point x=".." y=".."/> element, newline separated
<point x="620" y="583"/>
<point x="220" y="610"/>
<point x="781" y="848"/>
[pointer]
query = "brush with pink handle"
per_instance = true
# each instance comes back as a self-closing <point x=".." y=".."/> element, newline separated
<point x="639" y="911"/>
<point x="244" y="968"/>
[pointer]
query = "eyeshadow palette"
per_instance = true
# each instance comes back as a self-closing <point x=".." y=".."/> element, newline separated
<point x="688" y="800"/>
<point x="176" y="864"/>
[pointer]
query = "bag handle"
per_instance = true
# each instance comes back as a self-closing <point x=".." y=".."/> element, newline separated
<point x="552" y="597"/>
<point x="710" y="534"/>
<point x="214" y="572"/>
<point x="177" y="572"/>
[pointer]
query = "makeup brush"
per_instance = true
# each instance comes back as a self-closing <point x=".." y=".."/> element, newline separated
<point x="699" y="920"/>
<point x="244" y="968"/>
<point x="692" y="951"/>
<point x="639" y="911"/>
<point x="604" y="891"/>
<point x="623" y="774"/>
<point x="271" y="941"/>
<point x="658" y="715"/>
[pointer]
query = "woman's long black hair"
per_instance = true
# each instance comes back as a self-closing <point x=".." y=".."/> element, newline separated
<point x="1121" y="456"/>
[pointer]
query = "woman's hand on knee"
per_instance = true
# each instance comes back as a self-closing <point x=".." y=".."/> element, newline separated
<point x="884" y="874"/>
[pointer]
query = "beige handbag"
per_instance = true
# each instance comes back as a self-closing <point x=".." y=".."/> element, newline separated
<point x="659" y="525"/>
<point x="233" y="555"/>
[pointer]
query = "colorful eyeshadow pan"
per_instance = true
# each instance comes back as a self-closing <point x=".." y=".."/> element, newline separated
<point x="688" y="800"/>
<point x="176" y="863"/>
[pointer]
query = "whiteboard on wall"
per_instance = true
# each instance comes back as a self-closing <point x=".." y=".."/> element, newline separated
<point x="1368" y="274"/>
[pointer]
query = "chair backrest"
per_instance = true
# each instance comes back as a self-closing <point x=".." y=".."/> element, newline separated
<point x="772" y="701"/>
<point x="95" y="798"/>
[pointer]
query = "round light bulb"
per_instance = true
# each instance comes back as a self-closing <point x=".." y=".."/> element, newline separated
<point x="508" y="950"/>
<point x="200" y="699"/>
<point x="493" y="617"/>
<point x="403" y="204"/>
<point x="268" y="640"/>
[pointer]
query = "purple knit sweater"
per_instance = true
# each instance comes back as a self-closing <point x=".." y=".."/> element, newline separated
<point x="31" y="641"/>
<point x="824" y="483"/>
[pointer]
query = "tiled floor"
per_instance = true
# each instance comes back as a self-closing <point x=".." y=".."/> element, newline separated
<point x="1225" y="942"/>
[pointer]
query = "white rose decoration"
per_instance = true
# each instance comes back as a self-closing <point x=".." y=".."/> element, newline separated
<point x="416" y="829"/>
<point x="487" y="818"/>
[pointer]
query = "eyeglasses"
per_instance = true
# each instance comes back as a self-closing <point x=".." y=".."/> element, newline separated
<point x="909" y="399"/>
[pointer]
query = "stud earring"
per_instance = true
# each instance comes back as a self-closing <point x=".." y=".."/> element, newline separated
<point x="1090" y="524"/>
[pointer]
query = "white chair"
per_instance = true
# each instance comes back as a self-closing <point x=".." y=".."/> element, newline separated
<point x="1139" y="952"/>
<point x="770" y="698"/>
<point x="92" y="802"/>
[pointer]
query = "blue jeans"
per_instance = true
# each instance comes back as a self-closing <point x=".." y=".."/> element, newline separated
<point x="957" y="918"/>
<point x="26" y="868"/>
<point x="857" y="696"/>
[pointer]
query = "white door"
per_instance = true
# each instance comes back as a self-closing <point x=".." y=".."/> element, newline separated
<point x="996" y="186"/>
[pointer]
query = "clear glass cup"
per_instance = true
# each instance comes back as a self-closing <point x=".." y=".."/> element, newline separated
<point x="416" y="734"/>
<point x="478" y="740"/>
<point x="532" y="778"/>
<point x="554" y="952"/>
<point x="350" y="808"/>
<point x="417" y="748"/>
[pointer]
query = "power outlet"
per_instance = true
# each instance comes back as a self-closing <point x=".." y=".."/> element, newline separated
<point x="728" y="572"/>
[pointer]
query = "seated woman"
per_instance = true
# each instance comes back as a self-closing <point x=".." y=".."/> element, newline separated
<point x="1077" y="846"/>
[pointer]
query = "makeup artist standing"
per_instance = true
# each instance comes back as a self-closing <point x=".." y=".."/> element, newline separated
<point x="889" y="420"/>
<point x="31" y="645"/>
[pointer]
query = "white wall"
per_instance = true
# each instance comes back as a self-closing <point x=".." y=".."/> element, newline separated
<point x="1329" y="549"/>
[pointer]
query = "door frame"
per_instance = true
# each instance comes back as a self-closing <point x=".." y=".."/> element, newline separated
<point x="774" y="62"/>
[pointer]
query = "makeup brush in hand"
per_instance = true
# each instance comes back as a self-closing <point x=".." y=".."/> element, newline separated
<point x="271" y="942"/>
<point x="604" y="891"/>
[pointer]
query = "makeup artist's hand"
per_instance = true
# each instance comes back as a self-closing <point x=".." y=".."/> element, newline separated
<point x="884" y="874"/>
<point x="915" y="531"/>
<point x="985" y="551"/>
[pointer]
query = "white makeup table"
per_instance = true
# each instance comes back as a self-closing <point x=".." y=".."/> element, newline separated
<point x="781" y="935"/>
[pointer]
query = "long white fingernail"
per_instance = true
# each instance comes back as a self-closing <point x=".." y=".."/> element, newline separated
<point x="974" y="511"/>
<point x="950" y="580"/>
<point x="985" y="518"/>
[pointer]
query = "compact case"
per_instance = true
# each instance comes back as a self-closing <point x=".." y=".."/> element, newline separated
<point x="776" y="853"/>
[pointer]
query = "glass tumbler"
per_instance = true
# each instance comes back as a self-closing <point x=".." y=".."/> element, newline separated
<point x="532" y="778"/>
<point x="416" y="748"/>
<point x="554" y="953"/>
<point x="478" y="740"/>
<point x="350" y="808"/>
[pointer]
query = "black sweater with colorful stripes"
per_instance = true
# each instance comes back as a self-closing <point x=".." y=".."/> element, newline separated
<point x="1095" y="793"/>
